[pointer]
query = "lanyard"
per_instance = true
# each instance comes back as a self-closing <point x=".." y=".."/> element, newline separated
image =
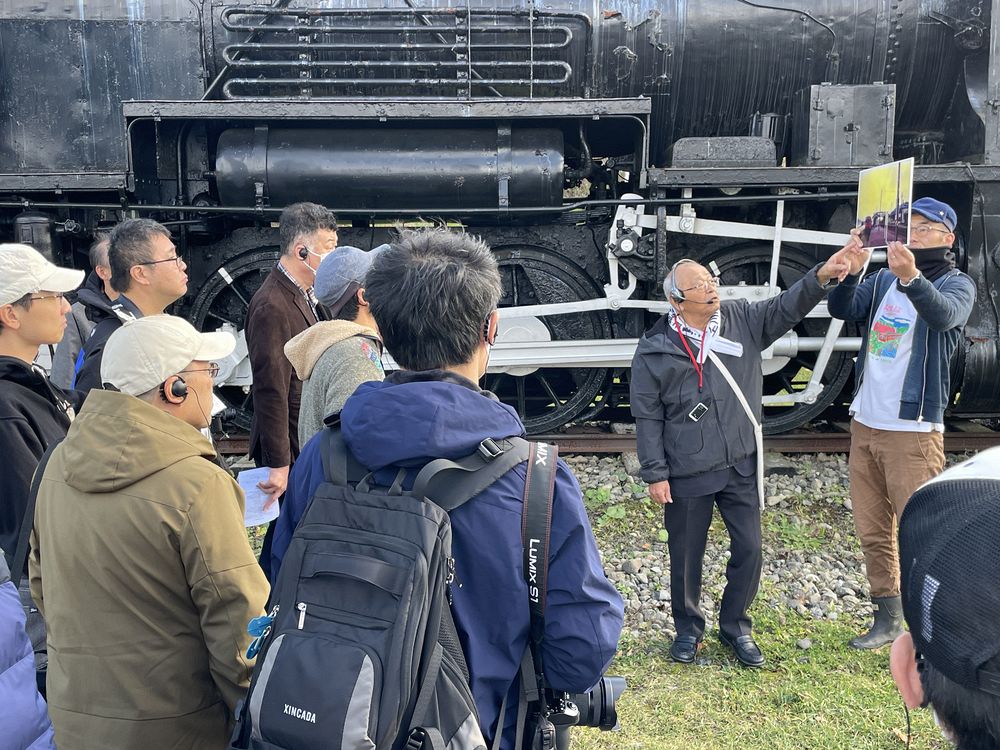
<point x="699" y="367"/>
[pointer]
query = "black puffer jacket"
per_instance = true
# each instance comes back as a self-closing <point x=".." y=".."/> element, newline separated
<point x="664" y="387"/>
<point x="33" y="414"/>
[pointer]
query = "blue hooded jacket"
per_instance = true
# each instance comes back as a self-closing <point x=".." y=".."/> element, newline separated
<point x="943" y="307"/>
<point x="411" y="418"/>
<point x="24" y="720"/>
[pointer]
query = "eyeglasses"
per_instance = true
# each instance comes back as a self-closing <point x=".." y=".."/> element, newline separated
<point x="919" y="230"/>
<point x="54" y="295"/>
<point x="213" y="370"/>
<point x="703" y="285"/>
<point x="176" y="259"/>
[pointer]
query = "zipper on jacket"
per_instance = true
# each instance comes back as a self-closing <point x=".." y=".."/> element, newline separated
<point x="923" y="385"/>
<point x="301" y="607"/>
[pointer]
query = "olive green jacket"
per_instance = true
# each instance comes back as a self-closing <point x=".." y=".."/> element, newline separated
<point x="141" y="566"/>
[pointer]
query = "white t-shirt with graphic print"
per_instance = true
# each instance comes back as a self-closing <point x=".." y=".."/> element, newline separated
<point x="890" y="344"/>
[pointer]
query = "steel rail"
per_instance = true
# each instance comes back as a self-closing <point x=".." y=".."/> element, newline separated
<point x="596" y="442"/>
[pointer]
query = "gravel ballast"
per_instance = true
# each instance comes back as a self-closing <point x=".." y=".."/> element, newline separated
<point x="813" y="565"/>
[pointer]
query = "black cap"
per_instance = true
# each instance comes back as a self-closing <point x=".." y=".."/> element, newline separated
<point x="949" y="554"/>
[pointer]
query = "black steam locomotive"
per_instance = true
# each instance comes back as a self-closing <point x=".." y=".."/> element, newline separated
<point x="591" y="145"/>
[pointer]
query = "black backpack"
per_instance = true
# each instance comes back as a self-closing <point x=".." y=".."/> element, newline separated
<point x="360" y="650"/>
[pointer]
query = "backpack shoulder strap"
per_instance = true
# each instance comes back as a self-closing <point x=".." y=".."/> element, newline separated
<point x="340" y="467"/>
<point x="468" y="476"/>
<point x="28" y="521"/>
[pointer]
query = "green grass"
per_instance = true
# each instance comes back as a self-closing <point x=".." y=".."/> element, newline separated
<point x="829" y="696"/>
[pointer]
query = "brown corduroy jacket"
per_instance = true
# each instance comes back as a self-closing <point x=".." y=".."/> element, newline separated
<point x="278" y="312"/>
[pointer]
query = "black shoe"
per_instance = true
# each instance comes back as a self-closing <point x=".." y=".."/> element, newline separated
<point x="745" y="649"/>
<point x="887" y="627"/>
<point x="684" y="649"/>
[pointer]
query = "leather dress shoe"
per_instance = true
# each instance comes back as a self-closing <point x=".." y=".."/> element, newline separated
<point x="745" y="649"/>
<point x="684" y="649"/>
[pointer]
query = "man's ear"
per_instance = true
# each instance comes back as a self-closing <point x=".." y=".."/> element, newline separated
<point x="903" y="665"/>
<point x="8" y="317"/>
<point x="138" y="274"/>
<point x="361" y="297"/>
<point x="492" y="324"/>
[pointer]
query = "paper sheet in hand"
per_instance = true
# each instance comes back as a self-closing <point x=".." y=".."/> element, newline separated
<point x="255" y="515"/>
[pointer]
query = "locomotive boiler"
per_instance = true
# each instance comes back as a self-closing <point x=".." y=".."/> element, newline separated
<point x="591" y="145"/>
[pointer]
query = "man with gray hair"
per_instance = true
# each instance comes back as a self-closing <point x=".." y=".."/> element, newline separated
<point x="696" y="387"/>
<point x="150" y="600"/>
<point x="148" y="276"/>
<point x="284" y="306"/>
<point x="93" y="300"/>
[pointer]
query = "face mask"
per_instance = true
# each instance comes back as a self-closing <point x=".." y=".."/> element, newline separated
<point x="934" y="261"/>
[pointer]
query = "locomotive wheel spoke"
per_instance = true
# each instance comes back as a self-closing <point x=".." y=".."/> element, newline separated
<point x="522" y="406"/>
<point x="548" y="389"/>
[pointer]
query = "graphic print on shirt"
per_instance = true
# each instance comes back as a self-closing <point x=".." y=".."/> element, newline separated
<point x="369" y="351"/>
<point x="885" y="334"/>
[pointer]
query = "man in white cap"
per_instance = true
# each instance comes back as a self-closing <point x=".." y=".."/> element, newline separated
<point x="33" y="412"/>
<point x="147" y="608"/>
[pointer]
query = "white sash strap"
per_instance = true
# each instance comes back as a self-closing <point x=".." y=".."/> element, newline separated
<point x="758" y="431"/>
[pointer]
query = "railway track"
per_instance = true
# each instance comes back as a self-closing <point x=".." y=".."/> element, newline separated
<point x="961" y="436"/>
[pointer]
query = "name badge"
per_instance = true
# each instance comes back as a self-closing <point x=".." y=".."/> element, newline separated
<point x="721" y="345"/>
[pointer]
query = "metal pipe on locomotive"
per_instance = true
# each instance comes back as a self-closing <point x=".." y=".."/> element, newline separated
<point x="730" y="131"/>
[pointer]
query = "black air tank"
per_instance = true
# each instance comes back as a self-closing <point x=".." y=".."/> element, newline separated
<point x="409" y="168"/>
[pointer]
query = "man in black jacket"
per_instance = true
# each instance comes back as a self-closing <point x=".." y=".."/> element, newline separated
<point x="93" y="304"/>
<point x="697" y="445"/>
<point x="33" y="412"/>
<point x="149" y="276"/>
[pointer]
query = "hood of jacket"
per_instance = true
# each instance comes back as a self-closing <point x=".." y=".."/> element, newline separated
<point x="433" y="414"/>
<point x="19" y="372"/>
<point x="95" y="302"/>
<point x="305" y="349"/>
<point x="118" y="440"/>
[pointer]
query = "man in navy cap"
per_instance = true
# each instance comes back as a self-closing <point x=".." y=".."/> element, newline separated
<point x="915" y="311"/>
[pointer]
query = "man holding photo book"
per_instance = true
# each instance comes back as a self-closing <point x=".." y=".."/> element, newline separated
<point x="915" y="311"/>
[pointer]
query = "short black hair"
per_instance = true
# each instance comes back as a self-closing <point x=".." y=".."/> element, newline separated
<point x="431" y="293"/>
<point x="23" y="302"/>
<point x="98" y="252"/>
<point x="973" y="716"/>
<point x="350" y="309"/>
<point x="300" y="219"/>
<point x="129" y="247"/>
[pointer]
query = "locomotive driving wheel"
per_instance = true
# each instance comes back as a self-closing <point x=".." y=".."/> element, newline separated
<point x="548" y="397"/>
<point x="751" y="265"/>
<point x="224" y="300"/>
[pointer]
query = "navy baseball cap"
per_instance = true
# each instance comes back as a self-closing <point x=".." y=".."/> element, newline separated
<point x="342" y="272"/>
<point x="935" y="210"/>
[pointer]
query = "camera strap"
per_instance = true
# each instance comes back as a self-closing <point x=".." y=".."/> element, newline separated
<point x="536" y="528"/>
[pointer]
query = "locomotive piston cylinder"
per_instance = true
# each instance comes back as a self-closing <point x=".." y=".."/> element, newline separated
<point x="405" y="168"/>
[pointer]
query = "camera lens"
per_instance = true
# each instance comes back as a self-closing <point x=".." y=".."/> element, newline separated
<point x="597" y="707"/>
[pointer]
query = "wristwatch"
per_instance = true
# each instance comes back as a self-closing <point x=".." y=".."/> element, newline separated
<point x="908" y="283"/>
